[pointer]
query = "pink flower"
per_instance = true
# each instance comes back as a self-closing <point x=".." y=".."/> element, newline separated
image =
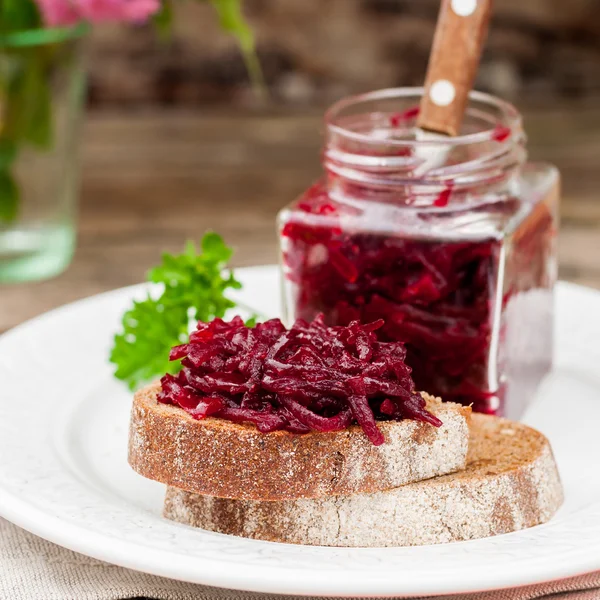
<point x="58" y="12"/>
<point x="67" y="12"/>
<point x="132" y="11"/>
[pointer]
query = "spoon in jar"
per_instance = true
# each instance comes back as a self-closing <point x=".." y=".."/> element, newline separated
<point x="455" y="54"/>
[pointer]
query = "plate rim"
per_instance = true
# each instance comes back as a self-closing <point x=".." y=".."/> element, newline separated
<point x="253" y="580"/>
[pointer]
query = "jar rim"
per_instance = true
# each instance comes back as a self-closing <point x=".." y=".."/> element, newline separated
<point x="508" y="116"/>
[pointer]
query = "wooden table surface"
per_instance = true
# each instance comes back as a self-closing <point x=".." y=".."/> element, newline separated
<point x="153" y="180"/>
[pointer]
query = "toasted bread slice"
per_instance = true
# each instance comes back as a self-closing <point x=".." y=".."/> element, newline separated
<point x="511" y="483"/>
<point x="227" y="460"/>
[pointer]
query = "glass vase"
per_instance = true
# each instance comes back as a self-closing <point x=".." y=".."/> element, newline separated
<point x="42" y="85"/>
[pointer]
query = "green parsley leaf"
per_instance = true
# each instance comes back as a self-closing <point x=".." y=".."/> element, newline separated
<point x="193" y="289"/>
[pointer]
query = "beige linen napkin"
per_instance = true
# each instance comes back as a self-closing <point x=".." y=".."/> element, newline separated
<point x="33" y="569"/>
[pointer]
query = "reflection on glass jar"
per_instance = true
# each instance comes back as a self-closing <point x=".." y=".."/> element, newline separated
<point x="459" y="260"/>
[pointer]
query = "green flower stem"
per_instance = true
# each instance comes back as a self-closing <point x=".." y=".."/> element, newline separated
<point x="38" y="37"/>
<point x="231" y="19"/>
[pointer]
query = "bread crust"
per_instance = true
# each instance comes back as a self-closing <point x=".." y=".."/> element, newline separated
<point x="228" y="460"/>
<point x="510" y="483"/>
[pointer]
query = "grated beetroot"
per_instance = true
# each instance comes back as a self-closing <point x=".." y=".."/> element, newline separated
<point x="308" y="378"/>
<point x="435" y="297"/>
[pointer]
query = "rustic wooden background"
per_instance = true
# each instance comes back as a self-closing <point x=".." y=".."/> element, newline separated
<point x="176" y="144"/>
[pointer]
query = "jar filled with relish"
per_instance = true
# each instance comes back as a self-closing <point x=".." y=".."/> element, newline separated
<point x="451" y="241"/>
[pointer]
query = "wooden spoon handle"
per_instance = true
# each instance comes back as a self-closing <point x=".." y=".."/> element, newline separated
<point x="457" y="45"/>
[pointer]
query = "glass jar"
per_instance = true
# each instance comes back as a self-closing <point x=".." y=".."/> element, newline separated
<point x="451" y="242"/>
<point x="42" y="85"/>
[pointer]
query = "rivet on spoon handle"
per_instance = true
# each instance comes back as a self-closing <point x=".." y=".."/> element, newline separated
<point x="457" y="45"/>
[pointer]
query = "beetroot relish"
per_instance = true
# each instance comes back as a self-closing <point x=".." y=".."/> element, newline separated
<point x="435" y="297"/>
<point x="308" y="378"/>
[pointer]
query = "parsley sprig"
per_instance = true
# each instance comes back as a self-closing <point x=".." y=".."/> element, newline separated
<point x="194" y="287"/>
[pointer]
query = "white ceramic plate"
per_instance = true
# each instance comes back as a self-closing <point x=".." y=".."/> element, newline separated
<point x="64" y="474"/>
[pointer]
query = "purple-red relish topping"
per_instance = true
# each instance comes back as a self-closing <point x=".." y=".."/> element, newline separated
<point x="308" y="378"/>
<point x="436" y="297"/>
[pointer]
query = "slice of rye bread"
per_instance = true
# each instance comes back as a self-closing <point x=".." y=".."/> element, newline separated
<point x="511" y="483"/>
<point x="227" y="460"/>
